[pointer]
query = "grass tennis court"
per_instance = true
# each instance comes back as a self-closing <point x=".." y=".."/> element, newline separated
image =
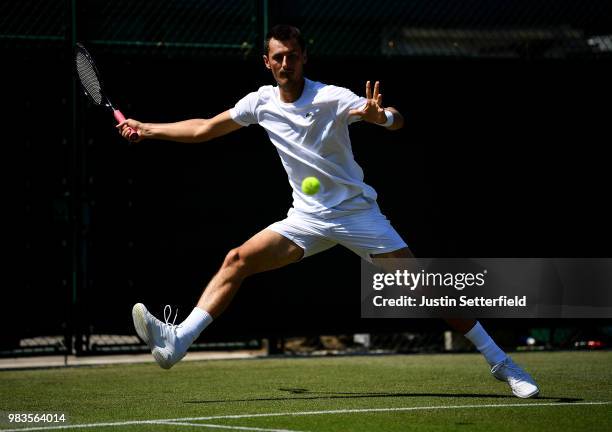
<point x="361" y="393"/>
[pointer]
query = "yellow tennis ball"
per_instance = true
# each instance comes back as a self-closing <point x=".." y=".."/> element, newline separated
<point x="310" y="185"/>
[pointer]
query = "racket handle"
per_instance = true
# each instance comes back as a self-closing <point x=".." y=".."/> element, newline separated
<point x="121" y="118"/>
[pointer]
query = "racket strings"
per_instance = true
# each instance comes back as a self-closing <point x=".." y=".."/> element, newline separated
<point x="89" y="77"/>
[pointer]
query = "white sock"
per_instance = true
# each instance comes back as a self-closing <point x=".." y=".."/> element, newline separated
<point x="483" y="342"/>
<point x="190" y="329"/>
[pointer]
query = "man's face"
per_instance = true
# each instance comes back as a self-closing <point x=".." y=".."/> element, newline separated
<point x="286" y="61"/>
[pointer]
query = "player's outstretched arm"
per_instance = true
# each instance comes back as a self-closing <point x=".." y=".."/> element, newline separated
<point x="188" y="131"/>
<point x="373" y="111"/>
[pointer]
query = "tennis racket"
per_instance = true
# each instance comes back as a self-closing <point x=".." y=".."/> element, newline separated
<point x="92" y="84"/>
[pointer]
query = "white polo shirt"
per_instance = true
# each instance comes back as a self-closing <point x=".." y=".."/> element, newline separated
<point x="312" y="139"/>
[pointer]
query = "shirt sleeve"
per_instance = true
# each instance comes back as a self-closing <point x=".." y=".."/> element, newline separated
<point x="243" y="112"/>
<point x="347" y="100"/>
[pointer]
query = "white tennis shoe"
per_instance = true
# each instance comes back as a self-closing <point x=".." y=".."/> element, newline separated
<point x="521" y="383"/>
<point x="161" y="337"/>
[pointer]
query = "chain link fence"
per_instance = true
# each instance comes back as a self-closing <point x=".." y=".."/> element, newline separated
<point x="474" y="28"/>
<point x="421" y="340"/>
<point x="33" y="21"/>
<point x="212" y="28"/>
<point x="470" y="28"/>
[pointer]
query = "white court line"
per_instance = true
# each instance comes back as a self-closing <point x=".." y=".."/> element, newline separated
<point x="305" y="413"/>
<point x="208" y="425"/>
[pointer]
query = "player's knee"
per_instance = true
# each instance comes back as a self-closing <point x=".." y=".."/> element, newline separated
<point x="235" y="260"/>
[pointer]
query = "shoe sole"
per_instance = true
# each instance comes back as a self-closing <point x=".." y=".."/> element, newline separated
<point x="140" y="323"/>
<point x="532" y="395"/>
<point x="161" y="359"/>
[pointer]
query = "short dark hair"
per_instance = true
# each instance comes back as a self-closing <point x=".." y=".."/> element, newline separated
<point x="284" y="32"/>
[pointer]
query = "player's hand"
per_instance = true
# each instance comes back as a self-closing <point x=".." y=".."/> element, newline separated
<point x="125" y="132"/>
<point x="373" y="110"/>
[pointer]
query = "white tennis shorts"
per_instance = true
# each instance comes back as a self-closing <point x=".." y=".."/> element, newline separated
<point x="365" y="232"/>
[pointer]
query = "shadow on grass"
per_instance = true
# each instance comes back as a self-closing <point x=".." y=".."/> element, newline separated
<point x="306" y="394"/>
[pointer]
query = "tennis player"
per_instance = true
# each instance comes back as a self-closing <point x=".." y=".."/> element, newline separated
<point x="307" y="122"/>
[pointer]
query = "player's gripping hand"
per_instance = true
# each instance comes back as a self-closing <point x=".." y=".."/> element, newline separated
<point x="373" y="110"/>
<point x="124" y="129"/>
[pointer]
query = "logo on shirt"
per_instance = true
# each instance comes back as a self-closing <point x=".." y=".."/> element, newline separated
<point x="313" y="112"/>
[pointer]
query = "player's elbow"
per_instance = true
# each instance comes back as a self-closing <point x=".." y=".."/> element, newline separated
<point x="202" y="131"/>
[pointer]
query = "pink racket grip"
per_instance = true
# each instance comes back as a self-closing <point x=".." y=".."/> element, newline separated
<point x="121" y="118"/>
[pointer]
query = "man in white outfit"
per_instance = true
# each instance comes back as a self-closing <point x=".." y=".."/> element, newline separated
<point x="307" y="122"/>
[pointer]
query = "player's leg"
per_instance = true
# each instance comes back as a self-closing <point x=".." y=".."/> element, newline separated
<point x="266" y="250"/>
<point x="502" y="366"/>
